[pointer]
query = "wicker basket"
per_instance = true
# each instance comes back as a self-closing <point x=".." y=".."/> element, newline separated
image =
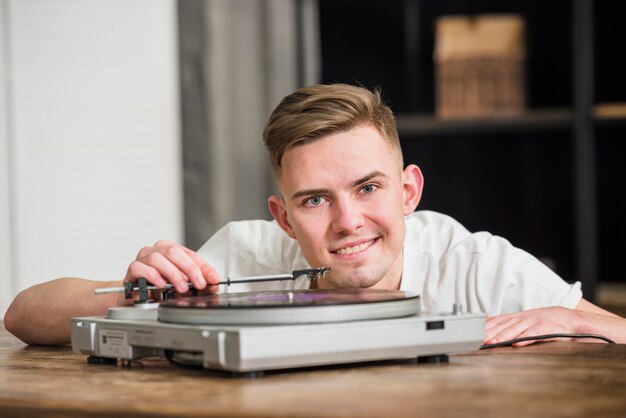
<point x="479" y="66"/>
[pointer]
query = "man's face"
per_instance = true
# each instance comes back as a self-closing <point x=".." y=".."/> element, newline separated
<point x="344" y="198"/>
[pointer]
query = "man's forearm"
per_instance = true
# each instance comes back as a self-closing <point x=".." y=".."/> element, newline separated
<point x="613" y="327"/>
<point x="41" y="314"/>
<point x="595" y="320"/>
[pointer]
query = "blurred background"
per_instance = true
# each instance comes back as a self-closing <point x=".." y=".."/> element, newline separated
<point x="122" y="123"/>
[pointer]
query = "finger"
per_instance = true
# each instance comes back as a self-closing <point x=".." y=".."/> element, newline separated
<point x="525" y="343"/>
<point x="209" y="273"/>
<point x="530" y="332"/>
<point x="209" y="290"/>
<point x="509" y="329"/>
<point x="144" y="252"/>
<point x="162" y="243"/>
<point x="514" y="330"/>
<point x="497" y="320"/>
<point x="138" y="269"/>
<point x="168" y="270"/>
<point x="177" y="255"/>
<point x="492" y="331"/>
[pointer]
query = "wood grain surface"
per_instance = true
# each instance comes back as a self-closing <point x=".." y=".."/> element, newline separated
<point x="557" y="379"/>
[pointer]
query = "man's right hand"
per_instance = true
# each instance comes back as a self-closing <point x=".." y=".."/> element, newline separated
<point x="169" y="262"/>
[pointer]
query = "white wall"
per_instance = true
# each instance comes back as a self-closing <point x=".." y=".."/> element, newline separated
<point x="6" y="277"/>
<point x="93" y="170"/>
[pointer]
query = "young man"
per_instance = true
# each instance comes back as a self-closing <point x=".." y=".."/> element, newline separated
<point x="346" y="202"/>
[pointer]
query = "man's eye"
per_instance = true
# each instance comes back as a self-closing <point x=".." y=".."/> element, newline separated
<point x="314" y="201"/>
<point x="369" y="188"/>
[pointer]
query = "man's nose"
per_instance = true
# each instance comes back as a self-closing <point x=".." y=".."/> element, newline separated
<point x="347" y="216"/>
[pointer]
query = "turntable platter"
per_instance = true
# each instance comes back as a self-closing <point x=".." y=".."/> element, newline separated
<point x="290" y="307"/>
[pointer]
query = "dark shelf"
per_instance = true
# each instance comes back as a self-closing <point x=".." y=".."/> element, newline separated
<point x="414" y="125"/>
<point x="545" y="193"/>
<point x="601" y="122"/>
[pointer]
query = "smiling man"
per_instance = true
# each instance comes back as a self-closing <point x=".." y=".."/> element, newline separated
<point x="346" y="202"/>
<point x="347" y="212"/>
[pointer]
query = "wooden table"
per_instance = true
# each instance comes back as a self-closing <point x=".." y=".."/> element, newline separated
<point x="559" y="379"/>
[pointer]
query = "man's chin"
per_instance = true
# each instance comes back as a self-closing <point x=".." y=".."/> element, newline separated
<point x="352" y="279"/>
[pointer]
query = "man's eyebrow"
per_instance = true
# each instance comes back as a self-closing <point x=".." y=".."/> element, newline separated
<point x="309" y="192"/>
<point x="368" y="177"/>
<point x="364" y="179"/>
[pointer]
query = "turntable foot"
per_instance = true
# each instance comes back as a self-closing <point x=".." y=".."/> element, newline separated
<point x="102" y="360"/>
<point x="436" y="359"/>
<point x="246" y="375"/>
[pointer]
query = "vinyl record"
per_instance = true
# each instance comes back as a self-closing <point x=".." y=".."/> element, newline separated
<point x="290" y="307"/>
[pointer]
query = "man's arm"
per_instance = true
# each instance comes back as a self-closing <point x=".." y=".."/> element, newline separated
<point x="586" y="318"/>
<point x="41" y="314"/>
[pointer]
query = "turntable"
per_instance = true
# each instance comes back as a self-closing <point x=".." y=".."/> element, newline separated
<point x="258" y="331"/>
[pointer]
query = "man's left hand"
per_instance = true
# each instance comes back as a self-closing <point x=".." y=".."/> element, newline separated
<point x="541" y="321"/>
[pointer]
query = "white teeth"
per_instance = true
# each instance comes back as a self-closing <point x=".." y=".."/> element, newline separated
<point x="355" y="249"/>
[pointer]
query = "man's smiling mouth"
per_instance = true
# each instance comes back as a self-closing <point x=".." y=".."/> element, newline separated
<point x="355" y="249"/>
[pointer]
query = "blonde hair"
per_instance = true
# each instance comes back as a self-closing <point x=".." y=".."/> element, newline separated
<point x="313" y="112"/>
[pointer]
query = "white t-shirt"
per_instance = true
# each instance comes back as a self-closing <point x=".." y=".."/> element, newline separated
<point x="443" y="262"/>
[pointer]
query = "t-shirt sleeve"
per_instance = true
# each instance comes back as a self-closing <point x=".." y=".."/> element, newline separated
<point x="495" y="277"/>
<point x="216" y="250"/>
<point x="250" y="248"/>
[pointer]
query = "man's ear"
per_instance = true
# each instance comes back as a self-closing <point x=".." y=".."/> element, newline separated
<point x="413" y="184"/>
<point x="279" y="212"/>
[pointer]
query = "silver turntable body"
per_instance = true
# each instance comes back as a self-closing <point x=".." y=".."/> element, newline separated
<point x="249" y="339"/>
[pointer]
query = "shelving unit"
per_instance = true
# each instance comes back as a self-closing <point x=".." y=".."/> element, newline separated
<point x="585" y="199"/>
<point x="415" y="125"/>
<point x="546" y="157"/>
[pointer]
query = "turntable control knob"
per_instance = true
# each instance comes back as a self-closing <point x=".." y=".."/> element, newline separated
<point x="457" y="309"/>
